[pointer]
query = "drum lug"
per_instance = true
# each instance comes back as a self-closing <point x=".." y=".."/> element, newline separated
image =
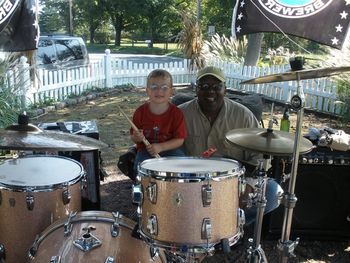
<point x="137" y="195"/>
<point x="115" y="226"/>
<point x="154" y="252"/>
<point x="2" y="253"/>
<point x="68" y="226"/>
<point x="207" y="195"/>
<point x="55" y="259"/>
<point x="87" y="241"/>
<point x="152" y="192"/>
<point x="66" y="196"/>
<point x="206" y="229"/>
<point x="109" y="260"/>
<point x="152" y="225"/>
<point x="30" y="202"/>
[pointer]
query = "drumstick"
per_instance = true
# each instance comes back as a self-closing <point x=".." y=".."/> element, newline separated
<point x="145" y="141"/>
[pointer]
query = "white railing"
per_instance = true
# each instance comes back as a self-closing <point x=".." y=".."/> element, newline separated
<point x="320" y="94"/>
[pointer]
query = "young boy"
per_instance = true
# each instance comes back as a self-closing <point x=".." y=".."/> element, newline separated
<point x="158" y="120"/>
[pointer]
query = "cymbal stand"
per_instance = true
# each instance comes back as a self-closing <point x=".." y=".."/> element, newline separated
<point x="289" y="199"/>
<point x="255" y="254"/>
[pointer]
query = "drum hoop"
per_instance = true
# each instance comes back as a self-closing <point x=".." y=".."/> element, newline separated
<point x="191" y="248"/>
<point x="195" y="176"/>
<point x="45" y="188"/>
<point x="92" y="215"/>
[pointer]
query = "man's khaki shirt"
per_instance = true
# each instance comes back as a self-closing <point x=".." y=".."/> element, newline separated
<point x="201" y="135"/>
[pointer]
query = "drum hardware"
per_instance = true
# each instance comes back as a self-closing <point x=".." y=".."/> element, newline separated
<point x="207" y="194"/>
<point x="137" y="194"/>
<point x="255" y="253"/>
<point x="152" y="225"/>
<point x="2" y="253"/>
<point x="109" y="260"/>
<point x="115" y="228"/>
<point x="66" y="196"/>
<point x="30" y="202"/>
<point x="206" y="229"/>
<point x="68" y="225"/>
<point x="152" y="192"/>
<point x="55" y="259"/>
<point x="285" y="245"/>
<point x="87" y="241"/>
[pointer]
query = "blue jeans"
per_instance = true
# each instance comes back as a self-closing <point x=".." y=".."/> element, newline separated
<point x="272" y="194"/>
<point x="143" y="155"/>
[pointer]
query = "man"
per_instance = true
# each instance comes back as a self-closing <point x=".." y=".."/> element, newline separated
<point x="209" y="117"/>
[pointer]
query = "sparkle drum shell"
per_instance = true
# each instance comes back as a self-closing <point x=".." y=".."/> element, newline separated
<point x="34" y="192"/>
<point x="123" y="247"/>
<point x="190" y="204"/>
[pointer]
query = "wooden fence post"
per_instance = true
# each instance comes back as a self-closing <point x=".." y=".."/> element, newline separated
<point x="108" y="69"/>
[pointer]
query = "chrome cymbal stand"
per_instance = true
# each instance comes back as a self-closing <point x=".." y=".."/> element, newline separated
<point x="255" y="254"/>
<point x="289" y="199"/>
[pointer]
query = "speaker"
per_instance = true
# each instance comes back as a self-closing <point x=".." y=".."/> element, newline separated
<point x="323" y="207"/>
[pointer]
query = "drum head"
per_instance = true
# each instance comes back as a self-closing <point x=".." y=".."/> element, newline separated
<point x="39" y="172"/>
<point x="187" y="167"/>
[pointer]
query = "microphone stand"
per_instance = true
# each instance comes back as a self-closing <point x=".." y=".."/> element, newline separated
<point x="289" y="199"/>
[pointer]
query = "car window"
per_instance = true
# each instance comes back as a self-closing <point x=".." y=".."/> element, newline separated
<point x="68" y="49"/>
<point x="46" y="52"/>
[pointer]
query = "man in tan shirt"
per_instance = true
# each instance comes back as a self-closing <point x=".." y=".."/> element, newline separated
<point x="210" y="116"/>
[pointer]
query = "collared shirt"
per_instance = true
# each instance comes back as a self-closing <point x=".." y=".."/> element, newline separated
<point x="201" y="135"/>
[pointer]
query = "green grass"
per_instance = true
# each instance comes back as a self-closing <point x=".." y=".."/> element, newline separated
<point x="139" y="47"/>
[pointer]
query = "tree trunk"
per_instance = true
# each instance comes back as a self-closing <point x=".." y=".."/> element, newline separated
<point x="253" y="49"/>
<point x="118" y="36"/>
<point x="92" y="34"/>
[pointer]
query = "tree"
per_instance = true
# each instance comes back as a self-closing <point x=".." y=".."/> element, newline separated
<point x="55" y="16"/>
<point x="90" y="14"/>
<point x="123" y="13"/>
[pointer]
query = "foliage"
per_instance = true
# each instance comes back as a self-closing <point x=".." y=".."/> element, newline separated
<point x="341" y="58"/>
<point x="190" y="41"/>
<point x="230" y="49"/>
<point x="10" y="105"/>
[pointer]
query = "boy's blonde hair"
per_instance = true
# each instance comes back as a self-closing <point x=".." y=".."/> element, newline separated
<point x="159" y="73"/>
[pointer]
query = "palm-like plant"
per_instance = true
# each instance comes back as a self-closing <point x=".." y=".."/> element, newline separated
<point x="10" y="104"/>
<point x="230" y="49"/>
<point x="190" y="41"/>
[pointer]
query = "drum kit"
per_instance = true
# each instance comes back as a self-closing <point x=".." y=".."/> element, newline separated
<point x="187" y="207"/>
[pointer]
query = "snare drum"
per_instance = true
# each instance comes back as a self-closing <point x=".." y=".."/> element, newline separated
<point x="34" y="192"/>
<point x="92" y="236"/>
<point x="189" y="204"/>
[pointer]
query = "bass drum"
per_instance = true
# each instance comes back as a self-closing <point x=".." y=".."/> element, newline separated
<point x="93" y="236"/>
<point x="34" y="192"/>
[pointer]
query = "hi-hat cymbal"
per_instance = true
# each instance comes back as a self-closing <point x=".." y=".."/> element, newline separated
<point x="32" y="138"/>
<point x="302" y="74"/>
<point x="270" y="142"/>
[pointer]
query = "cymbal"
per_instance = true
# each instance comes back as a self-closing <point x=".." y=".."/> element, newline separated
<point x="30" y="137"/>
<point x="293" y="75"/>
<point x="270" y="142"/>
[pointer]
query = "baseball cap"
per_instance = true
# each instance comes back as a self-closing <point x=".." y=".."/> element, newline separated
<point x="211" y="71"/>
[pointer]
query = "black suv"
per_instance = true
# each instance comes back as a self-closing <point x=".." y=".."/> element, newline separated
<point x="59" y="51"/>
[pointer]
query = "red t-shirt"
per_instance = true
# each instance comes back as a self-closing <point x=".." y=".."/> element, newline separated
<point x="159" y="128"/>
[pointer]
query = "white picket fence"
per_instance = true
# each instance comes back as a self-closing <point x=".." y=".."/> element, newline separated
<point x="320" y="94"/>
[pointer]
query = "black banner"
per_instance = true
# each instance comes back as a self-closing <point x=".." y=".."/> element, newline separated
<point x="323" y="21"/>
<point x="19" y="29"/>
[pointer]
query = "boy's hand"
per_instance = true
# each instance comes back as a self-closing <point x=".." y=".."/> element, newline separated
<point x="154" y="149"/>
<point x="138" y="136"/>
